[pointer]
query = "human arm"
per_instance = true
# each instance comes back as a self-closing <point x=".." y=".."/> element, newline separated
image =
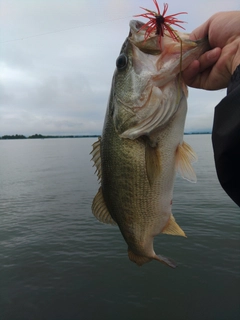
<point x="226" y="139"/>
<point x="216" y="69"/>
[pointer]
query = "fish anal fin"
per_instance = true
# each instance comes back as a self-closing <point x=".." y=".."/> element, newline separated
<point x="173" y="228"/>
<point x="100" y="210"/>
<point x="184" y="158"/>
<point x="153" y="164"/>
<point x="96" y="157"/>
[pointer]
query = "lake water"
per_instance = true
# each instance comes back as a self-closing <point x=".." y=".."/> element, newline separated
<point x="57" y="262"/>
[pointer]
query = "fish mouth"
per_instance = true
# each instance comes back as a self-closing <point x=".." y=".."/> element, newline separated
<point x="137" y="37"/>
<point x="135" y="26"/>
<point x="152" y="46"/>
<point x="169" y="59"/>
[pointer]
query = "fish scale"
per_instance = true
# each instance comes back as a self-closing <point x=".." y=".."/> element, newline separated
<point x="142" y="145"/>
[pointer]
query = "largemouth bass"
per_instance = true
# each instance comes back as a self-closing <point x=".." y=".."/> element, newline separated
<point x="142" y="146"/>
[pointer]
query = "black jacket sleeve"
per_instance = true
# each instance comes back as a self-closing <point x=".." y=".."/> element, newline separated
<point x="226" y="139"/>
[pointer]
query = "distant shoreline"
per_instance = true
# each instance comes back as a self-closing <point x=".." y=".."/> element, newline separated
<point x="40" y="136"/>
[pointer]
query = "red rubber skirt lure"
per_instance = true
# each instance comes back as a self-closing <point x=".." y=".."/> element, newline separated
<point x="159" y="23"/>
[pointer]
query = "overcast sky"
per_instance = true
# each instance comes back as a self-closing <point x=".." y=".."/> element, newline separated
<point x="57" y="58"/>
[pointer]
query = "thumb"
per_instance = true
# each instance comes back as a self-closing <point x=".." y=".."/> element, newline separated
<point x="200" y="32"/>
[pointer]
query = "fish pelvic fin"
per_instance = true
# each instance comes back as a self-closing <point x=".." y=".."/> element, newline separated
<point x="100" y="210"/>
<point x="184" y="158"/>
<point x="173" y="228"/>
<point x="167" y="261"/>
<point x="153" y="164"/>
<point x="139" y="260"/>
<point x="96" y="157"/>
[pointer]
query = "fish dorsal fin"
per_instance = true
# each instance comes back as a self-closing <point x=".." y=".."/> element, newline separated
<point x="184" y="157"/>
<point x="96" y="157"/>
<point x="100" y="210"/>
<point x="153" y="164"/>
<point x="173" y="228"/>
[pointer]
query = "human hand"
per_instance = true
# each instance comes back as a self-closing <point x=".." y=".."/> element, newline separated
<point x="214" y="68"/>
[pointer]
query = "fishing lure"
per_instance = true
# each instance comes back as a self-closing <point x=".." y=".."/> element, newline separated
<point x="158" y="22"/>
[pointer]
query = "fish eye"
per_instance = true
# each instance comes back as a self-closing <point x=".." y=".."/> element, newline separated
<point x="122" y="61"/>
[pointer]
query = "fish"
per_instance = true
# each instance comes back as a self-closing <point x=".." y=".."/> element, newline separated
<point x="141" y="147"/>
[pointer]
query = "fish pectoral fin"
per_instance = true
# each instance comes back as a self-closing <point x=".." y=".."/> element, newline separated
<point x="100" y="210"/>
<point x="173" y="228"/>
<point x="153" y="164"/>
<point x="184" y="158"/>
<point x="169" y="262"/>
<point x="96" y="157"/>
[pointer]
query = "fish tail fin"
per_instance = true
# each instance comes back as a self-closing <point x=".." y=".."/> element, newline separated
<point x="169" y="262"/>
<point x="139" y="260"/>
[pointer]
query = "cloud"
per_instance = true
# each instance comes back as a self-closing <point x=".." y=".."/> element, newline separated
<point x="58" y="57"/>
<point x="201" y="106"/>
<point x="54" y="104"/>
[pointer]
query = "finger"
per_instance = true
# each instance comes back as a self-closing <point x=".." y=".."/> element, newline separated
<point x="191" y="72"/>
<point x="197" y="73"/>
<point x="209" y="58"/>
<point x="200" y="32"/>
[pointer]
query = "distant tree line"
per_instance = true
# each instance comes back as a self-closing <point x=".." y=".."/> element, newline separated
<point x="16" y="136"/>
<point x="40" y="136"/>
